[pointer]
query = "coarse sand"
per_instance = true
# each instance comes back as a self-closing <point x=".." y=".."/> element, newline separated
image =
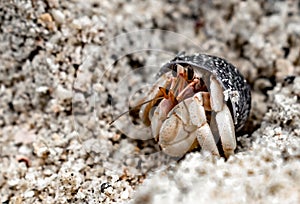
<point x="68" y="68"/>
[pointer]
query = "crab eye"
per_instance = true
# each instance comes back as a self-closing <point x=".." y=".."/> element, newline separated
<point x="190" y="73"/>
<point x="174" y="70"/>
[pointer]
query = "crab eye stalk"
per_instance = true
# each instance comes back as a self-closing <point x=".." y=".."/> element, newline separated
<point x="190" y="73"/>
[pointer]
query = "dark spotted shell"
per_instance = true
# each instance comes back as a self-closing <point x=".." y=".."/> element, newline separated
<point x="229" y="77"/>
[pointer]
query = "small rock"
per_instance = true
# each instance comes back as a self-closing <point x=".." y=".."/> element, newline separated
<point x="29" y="194"/>
<point x="46" y="18"/>
<point x="81" y="22"/>
<point x="58" y="16"/>
<point x="125" y="194"/>
<point x="63" y="93"/>
<point x="24" y="136"/>
<point x="42" y="89"/>
<point x="53" y="3"/>
<point x="283" y="68"/>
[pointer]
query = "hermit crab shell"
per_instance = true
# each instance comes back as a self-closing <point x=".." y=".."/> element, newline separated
<point x="236" y="90"/>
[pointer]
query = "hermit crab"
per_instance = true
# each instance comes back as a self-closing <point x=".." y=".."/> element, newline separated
<point x="197" y="100"/>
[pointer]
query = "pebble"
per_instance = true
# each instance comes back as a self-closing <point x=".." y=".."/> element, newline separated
<point x="63" y="93"/>
<point x="46" y="17"/>
<point x="284" y="68"/>
<point x="42" y="89"/>
<point x="58" y="16"/>
<point x="29" y="194"/>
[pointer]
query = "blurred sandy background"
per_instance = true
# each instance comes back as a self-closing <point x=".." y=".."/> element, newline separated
<point x="67" y="68"/>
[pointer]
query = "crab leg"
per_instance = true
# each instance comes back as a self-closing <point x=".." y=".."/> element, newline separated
<point x="165" y="82"/>
<point x="186" y="123"/>
<point x="178" y="90"/>
<point x="226" y="129"/>
<point x="161" y="112"/>
<point x="198" y="118"/>
<point x="221" y="123"/>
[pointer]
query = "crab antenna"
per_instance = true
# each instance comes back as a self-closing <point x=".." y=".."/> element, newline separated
<point x="114" y="120"/>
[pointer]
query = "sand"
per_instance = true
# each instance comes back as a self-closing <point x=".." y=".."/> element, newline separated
<point x="68" y="68"/>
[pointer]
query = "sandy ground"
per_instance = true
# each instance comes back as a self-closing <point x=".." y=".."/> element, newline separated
<point x="67" y="68"/>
